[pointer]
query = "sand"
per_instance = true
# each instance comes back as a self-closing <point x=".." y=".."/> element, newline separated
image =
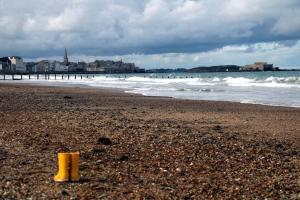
<point x="159" y="148"/>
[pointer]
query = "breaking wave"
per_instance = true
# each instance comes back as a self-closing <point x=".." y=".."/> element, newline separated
<point x="281" y="88"/>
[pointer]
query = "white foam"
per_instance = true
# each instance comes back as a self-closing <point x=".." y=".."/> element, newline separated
<point x="269" y="90"/>
<point x="282" y="82"/>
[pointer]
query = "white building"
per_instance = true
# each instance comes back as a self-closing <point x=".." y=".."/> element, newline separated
<point x="59" y="67"/>
<point x="17" y="64"/>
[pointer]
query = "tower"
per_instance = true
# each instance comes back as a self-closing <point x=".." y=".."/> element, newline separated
<point x="66" y="60"/>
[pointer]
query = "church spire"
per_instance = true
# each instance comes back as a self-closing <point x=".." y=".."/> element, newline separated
<point x="66" y="60"/>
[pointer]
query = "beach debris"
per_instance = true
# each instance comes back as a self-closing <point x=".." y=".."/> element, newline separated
<point x="124" y="158"/>
<point x="67" y="97"/>
<point x="218" y="128"/>
<point x="104" y="141"/>
<point x="3" y="154"/>
<point x="279" y="146"/>
<point x="97" y="150"/>
<point x="67" y="167"/>
<point x="64" y="192"/>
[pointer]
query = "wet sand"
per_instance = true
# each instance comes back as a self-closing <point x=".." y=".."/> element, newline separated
<point x="161" y="148"/>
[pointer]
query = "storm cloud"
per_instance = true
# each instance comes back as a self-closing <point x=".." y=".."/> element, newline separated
<point x="35" y="28"/>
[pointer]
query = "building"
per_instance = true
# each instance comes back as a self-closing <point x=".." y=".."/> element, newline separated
<point x="12" y="64"/>
<point x="109" y="66"/>
<point x="66" y="60"/>
<point x="30" y="66"/>
<point x="43" y="66"/>
<point x="59" y="66"/>
<point x="5" y="64"/>
<point x="258" y="66"/>
<point x="17" y="64"/>
<point x="77" y="67"/>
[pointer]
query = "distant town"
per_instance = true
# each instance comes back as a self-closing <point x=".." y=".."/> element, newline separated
<point x="15" y="64"/>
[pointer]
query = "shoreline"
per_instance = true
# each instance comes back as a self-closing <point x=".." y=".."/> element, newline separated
<point x="73" y="85"/>
<point x="160" y="147"/>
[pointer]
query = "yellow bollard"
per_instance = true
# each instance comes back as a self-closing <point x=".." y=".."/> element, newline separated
<point x="67" y="167"/>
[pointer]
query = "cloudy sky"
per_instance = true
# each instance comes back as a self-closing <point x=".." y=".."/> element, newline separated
<point x="154" y="33"/>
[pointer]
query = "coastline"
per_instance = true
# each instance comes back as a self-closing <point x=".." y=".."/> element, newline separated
<point x="161" y="147"/>
<point x="79" y="85"/>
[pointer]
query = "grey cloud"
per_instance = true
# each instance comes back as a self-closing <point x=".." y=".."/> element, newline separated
<point x="35" y="28"/>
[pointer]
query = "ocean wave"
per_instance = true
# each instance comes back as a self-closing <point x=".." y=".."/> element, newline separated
<point x="267" y="82"/>
<point x="261" y="88"/>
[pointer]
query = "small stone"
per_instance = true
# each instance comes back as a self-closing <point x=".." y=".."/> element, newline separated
<point x="124" y="158"/>
<point x="64" y="192"/>
<point x="7" y="183"/>
<point x="279" y="145"/>
<point x="104" y="141"/>
<point x="163" y="170"/>
<point x="102" y="178"/>
<point x="178" y="169"/>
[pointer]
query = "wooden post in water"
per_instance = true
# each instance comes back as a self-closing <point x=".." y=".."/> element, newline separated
<point x="75" y="76"/>
<point x="62" y="77"/>
<point x="37" y="76"/>
<point x="68" y="77"/>
<point x="29" y="76"/>
<point x="21" y="76"/>
<point x="55" y="76"/>
<point x="81" y="76"/>
<point x="13" y="77"/>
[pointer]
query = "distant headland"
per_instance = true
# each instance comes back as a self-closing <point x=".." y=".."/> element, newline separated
<point x="15" y="64"/>
<point x="256" y="67"/>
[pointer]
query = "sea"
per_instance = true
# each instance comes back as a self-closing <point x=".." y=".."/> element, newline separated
<point x="278" y="88"/>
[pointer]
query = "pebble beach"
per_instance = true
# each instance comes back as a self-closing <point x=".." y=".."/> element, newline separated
<point x="137" y="147"/>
